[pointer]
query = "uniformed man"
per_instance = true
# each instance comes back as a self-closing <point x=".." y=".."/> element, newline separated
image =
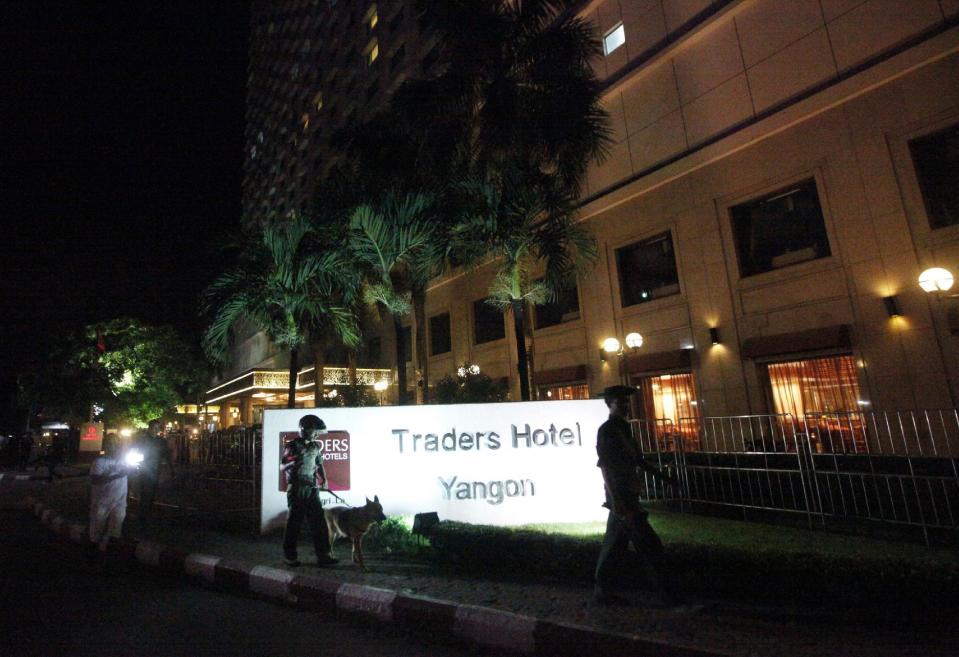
<point x="619" y="461"/>
<point x="155" y="452"/>
<point x="303" y="465"/>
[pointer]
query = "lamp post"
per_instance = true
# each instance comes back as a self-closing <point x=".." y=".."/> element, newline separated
<point x="937" y="281"/>
<point x="612" y="346"/>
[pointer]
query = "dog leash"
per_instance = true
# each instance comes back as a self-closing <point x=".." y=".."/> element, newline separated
<point x="327" y="490"/>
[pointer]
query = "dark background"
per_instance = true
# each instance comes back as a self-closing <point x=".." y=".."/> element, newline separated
<point x="121" y="146"/>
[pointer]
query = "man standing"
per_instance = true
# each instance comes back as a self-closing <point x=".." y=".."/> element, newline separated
<point x="619" y="458"/>
<point x="303" y="465"/>
<point x="155" y="451"/>
<point x="108" y="495"/>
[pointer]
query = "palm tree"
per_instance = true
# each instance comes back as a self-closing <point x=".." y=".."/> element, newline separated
<point x="283" y="289"/>
<point x="391" y="240"/>
<point x="519" y="84"/>
<point x="520" y="229"/>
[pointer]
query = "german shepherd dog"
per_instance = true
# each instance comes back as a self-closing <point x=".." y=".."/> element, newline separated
<point x="353" y="523"/>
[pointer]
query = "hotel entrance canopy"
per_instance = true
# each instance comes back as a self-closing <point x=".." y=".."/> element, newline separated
<point x="270" y="385"/>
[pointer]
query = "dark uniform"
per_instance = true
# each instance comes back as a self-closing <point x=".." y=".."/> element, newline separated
<point x="303" y="464"/>
<point x="619" y="458"/>
<point x="155" y="452"/>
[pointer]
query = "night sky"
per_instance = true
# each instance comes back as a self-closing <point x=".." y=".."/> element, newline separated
<point x="120" y="161"/>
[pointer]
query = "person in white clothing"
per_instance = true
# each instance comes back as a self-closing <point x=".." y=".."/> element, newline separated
<point x="108" y="494"/>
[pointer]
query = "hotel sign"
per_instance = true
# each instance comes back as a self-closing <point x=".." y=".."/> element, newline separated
<point x="500" y="464"/>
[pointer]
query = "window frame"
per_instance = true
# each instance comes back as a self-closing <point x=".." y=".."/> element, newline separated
<point x="449" y="333"/>
<point x="614" y="262"/>
<point x="607" y="51"/>
<point x="562" y="322"/>
<point x="473" y="325"/>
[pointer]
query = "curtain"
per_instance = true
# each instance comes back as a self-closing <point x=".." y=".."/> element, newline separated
<point x="814" y="389"/>
<point x="670" y="397"/>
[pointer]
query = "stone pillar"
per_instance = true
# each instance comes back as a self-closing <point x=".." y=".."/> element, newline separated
<point x="246" y="411"/>
<point x="226" y="419"/>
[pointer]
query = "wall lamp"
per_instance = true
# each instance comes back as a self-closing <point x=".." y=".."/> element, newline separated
<point x="612" y="346"/>
<point x="936" y="280"/>
<point x="892" y="306"/>
<point x="714" y="335"/>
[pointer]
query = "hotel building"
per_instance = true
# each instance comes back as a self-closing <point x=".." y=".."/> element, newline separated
<point x="781" y="173"/>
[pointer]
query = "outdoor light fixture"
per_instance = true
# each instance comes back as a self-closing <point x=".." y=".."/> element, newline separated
<point x="714" y="335"/>
<point x="463" y="370"/>
<point x="612" y="346"/>
<point x="936" y="279"/>
<point x="424" y="522"/>
<point x="892" y="306"/>
<point x="381" y="385"/>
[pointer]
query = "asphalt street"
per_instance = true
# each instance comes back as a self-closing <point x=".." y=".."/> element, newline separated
<point x="52" y="602"/>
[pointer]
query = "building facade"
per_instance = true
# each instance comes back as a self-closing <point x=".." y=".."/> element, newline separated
<point x="781" y="173"/>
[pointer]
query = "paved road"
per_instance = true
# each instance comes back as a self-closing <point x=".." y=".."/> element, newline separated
<point x="53" y="603"/>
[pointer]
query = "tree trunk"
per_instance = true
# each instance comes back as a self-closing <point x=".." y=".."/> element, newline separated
<point x="319" y="372"/>
<point x="291" y="392"/>
<point x="422" y="357"/>
<point x="400" y="362"/>
<point x="351" y="365"/>
<point x="522" y="366"/>
<point x="531" y="354"/>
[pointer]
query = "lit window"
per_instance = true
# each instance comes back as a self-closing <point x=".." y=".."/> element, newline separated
<point x="318" y="101"/>
<point x="372" y="18"/>
<point x="614" y="39"/>
<point x="373" y="54"/>
<point x="564" y="392"/>
<point x="823" y="393"/>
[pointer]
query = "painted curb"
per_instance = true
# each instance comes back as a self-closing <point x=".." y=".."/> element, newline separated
<point x="484" y="626"/>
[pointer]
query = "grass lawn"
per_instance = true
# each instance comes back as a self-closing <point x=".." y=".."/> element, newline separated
<point x="718" y="533"/>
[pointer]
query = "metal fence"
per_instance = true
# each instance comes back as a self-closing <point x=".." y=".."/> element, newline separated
<point x="225" y="464"/>
<point x="862" y="471"/>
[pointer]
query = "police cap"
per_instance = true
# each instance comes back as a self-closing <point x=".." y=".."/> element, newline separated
<point x="618" y="391"/>
<point x="311" y="423"/>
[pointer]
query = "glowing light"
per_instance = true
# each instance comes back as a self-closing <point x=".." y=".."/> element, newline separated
<point x="332" y="393"/>
<point x="126" y="433"/>
<point x="461" y="371"/>
<point x="134" y="457"/>
<point x="634" y="340"/>
<point x="97" y="409"/>
<point x="196" y="432"/>
<point x="381" y="385"/>
<point x="610" y="345"/>
<point x="936" y="279"/>
<point x="474" y="369"/>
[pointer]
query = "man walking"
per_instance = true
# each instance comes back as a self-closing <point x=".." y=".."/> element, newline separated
<point x="108" y="495"/>
<point x="619" y="458"/>
<point x="303" y="465"/>
<point x="155" y="450"/>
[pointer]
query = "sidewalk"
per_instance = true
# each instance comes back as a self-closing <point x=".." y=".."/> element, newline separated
<point x="549" y="618"/>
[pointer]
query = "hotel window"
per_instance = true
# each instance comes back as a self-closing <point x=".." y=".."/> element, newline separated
<point x="564" y="392"/>
<point x="936" y="158"/>
<point x="823" y="394"/>
<point x="614" y="38"/>
<point x="440" y="342"/>
<point x="668" y="397"/>
<point x="565" y="308"/>
<point x="487" y="323"/>
<point x="372" y="51"/>
<point x="647" y="270"/>
<point x="780" y="229"/>
<point x="372" y="18"/>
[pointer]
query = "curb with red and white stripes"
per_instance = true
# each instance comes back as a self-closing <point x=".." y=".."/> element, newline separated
<point x="491" y="628"/>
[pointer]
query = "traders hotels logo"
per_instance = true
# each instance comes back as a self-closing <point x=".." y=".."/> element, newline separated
<point x="335" y="446"/>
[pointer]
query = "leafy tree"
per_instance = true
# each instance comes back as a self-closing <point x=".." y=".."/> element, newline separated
<point x="392" y="240"/>
<point x="283" y="289"/>
<point x="469" y="387"/>
<point x="520" y="229"/>
<point x="141" y="372"/>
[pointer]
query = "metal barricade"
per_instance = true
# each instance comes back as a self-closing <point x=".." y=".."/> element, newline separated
<point x="856" y="471"/>
<point x="224" y="465"/>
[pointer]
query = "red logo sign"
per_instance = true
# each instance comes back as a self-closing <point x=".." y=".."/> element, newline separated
<point x="90" y="433"/>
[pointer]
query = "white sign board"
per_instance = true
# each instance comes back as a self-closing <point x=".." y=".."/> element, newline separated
<point x="500" y="464"/>
<point x="91" y="436"/>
